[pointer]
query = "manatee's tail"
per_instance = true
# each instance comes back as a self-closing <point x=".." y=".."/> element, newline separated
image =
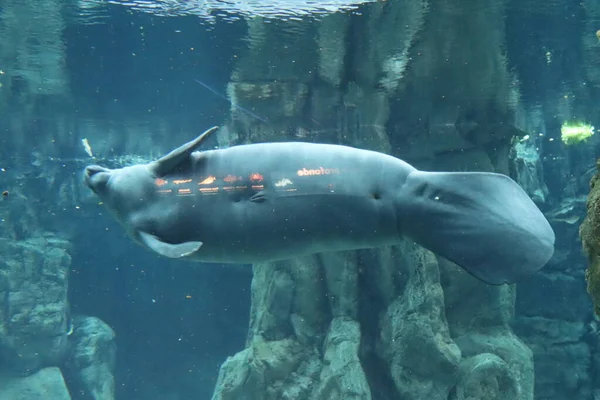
<point x="483" y="222"/>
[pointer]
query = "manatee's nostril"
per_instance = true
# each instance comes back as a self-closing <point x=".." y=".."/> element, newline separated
<point x="93" y="170"/>
<point x="95" y="177"/>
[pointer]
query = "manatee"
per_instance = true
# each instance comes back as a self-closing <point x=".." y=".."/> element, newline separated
<point x="274" y="201"/>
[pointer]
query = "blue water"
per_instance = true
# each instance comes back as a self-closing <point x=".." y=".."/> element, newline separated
<point x="137" y="79"/>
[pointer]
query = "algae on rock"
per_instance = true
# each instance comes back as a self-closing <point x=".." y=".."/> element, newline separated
<point x="590" y="237"/>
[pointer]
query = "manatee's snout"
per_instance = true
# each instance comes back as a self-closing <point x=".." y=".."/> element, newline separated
<point x="96" y="176"/>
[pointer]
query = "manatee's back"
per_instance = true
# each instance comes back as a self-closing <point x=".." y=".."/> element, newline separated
<point x="483" y="222"/>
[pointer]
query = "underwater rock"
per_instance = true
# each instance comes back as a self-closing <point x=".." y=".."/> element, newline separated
<point x="275" y="370"/>
<point x="589" y="42"/>
<point x="33" y="303"/>
<point x="467" y="159"/>
<point x="515" y="357"/>
<point x="342" y="376"/>
<point x="425" y="105"/>
<point x="595" y="372"/>
<point x="486" y="376"/>
<point x="290" y="324"/>
<point x="590" y="237"/>
<point x="366" y="113"/>
<point x="280" y="99"/>
<point x="286" y="370"/>
<point x="553" y="331"/>
<point x="562" y="356"/>
<point x="528" y="170"/>
<point x="331" y="40"/>
<point x="381" y="50"/>
<point x="341" y="276"/>
<point x="40" y="43"/>
<point x="480" y="324"/>
<point x="554" y="295"/>
<point x="415" y="342"/>
<point x="45" y="384"/>
<point x="315" y="97"/>
<point x="278" y="51"/>
<point x="487" y="306"/>
<point x="91" y="357"/>
<point x="288" y="297"/>
<point x="568" y="262"/>
<point x="293" y="352"/>
<point x="568" y="213"/>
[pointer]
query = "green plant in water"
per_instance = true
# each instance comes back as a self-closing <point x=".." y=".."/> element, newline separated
<point x="575" y="132"/>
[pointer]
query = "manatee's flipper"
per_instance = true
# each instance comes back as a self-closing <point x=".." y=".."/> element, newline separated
<point x="167" y="163"/>
<point x="483" y="222"/>
<point x="167" y="249"/>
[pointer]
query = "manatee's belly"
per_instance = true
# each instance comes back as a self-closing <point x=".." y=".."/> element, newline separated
<point x="291" y="226"/>
<point x="249" y="215"/>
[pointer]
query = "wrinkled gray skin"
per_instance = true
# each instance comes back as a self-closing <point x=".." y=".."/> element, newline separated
<point x="274" y="201"/>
